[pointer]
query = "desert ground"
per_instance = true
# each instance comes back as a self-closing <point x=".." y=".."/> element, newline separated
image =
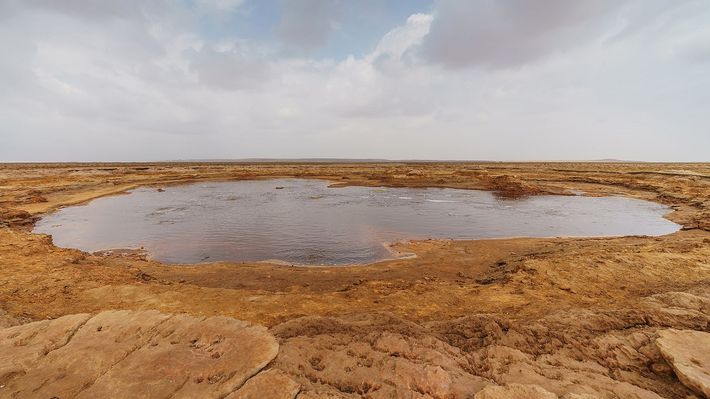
<point x="622" y="317"/>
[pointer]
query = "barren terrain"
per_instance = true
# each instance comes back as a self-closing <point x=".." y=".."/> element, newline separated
<point x="520" y="317"/>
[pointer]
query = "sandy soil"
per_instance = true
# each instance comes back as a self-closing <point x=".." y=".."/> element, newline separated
<point x="570" y="316"/>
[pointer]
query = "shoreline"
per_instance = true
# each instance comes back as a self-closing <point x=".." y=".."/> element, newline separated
<point x="396" y="255"/>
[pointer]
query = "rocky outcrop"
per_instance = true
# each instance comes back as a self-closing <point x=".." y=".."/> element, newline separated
<point x="137" y="354"/>
<point x="378" y="356"/>
<point x="580" y="354"/>
<point x="688" y="353"/>
<point x="271" y="384"/>
<point x="151" y="354"/>
<point x="16" y="218"/>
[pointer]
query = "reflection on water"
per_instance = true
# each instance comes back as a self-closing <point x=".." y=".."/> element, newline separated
<point x="304" y="221"/>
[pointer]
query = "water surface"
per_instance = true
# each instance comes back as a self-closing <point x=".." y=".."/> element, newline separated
<point x="305" y="222"/>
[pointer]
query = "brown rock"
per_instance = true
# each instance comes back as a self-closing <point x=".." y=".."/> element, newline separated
<point x="321" y="395"/>
<point x="271" y="384"/>
<point x="34" y="199"/>
<point x="351" y="358"/>
<point x="514" y="391"/>
<point x="22" y="347"/>
<point x="132" y="354"/>
<point x="16" y="218"/>
<point x="7" y="320"/>
<point x="688" y="353"/>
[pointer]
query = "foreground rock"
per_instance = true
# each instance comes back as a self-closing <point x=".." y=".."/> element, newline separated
<point x="514" y="391"/>
<point x="144" y="354"/>
<point x="272" y="384"/>
<point x="688" y="352"/>
<point x="347" y="357"/>
<point x="579" y="354"/>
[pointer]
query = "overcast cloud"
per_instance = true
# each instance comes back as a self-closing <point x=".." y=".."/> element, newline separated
<point x="502" y="80"/>
<point x="307" y="24"/>
<point x="509" y="33"/>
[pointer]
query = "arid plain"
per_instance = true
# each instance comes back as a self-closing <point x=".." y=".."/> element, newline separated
<point x="548" y="318"/>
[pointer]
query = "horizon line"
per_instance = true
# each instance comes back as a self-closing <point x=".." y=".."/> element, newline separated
<point x="348" y="160"/>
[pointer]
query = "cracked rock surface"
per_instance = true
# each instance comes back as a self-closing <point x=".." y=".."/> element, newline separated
<point x="567" y="354"/>
<point x="688" y="352"/>
<point x="144" y="354"/>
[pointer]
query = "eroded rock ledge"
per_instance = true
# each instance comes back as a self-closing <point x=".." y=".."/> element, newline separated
<point x="144" y="354"/>
<point x="149" y="354"/>
<point x="568" y="354"/>
<point x="688" y="352"/>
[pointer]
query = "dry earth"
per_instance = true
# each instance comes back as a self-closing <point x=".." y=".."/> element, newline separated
<point x="516" y="318"/>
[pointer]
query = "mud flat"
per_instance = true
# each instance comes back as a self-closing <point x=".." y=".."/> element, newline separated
<point x="500" y="318"/>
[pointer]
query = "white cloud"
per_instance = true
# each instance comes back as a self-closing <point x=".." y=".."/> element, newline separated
<point x="397" y="41"/>
<point x="219" y="5"/>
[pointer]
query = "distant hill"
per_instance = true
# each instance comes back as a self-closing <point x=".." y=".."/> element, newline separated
<point x="325" y="160"/>
<point x="381" y="160"/>
<point x="613" y="160"/>
<point x="257" y="160"/>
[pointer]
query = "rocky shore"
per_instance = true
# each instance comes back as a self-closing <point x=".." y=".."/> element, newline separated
<point x="623" y="317"/>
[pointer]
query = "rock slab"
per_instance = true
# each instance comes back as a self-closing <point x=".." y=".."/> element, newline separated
<point x="271" y="384"/>
<point x="688" y="353"/>
<point x="514" y="391"/>
<point x="140" y="354"/>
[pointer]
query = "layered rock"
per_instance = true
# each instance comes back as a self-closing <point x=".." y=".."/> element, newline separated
<point x="271" y="384"/>
<point x="137" y="354"/>
<point x="16" y="218"/>
<point x="375" y="356"/>
<point x="568" y="354"/>
<point x="688" y="353"/>
<point x="514" y="391"/>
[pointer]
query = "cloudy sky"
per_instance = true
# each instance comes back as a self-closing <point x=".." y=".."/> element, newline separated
<point x="127" y="80"/>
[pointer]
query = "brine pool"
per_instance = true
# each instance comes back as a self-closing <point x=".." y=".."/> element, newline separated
<point x="305" y="222"/>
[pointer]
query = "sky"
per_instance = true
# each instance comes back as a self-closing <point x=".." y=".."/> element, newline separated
<point x="151" y="80"/>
